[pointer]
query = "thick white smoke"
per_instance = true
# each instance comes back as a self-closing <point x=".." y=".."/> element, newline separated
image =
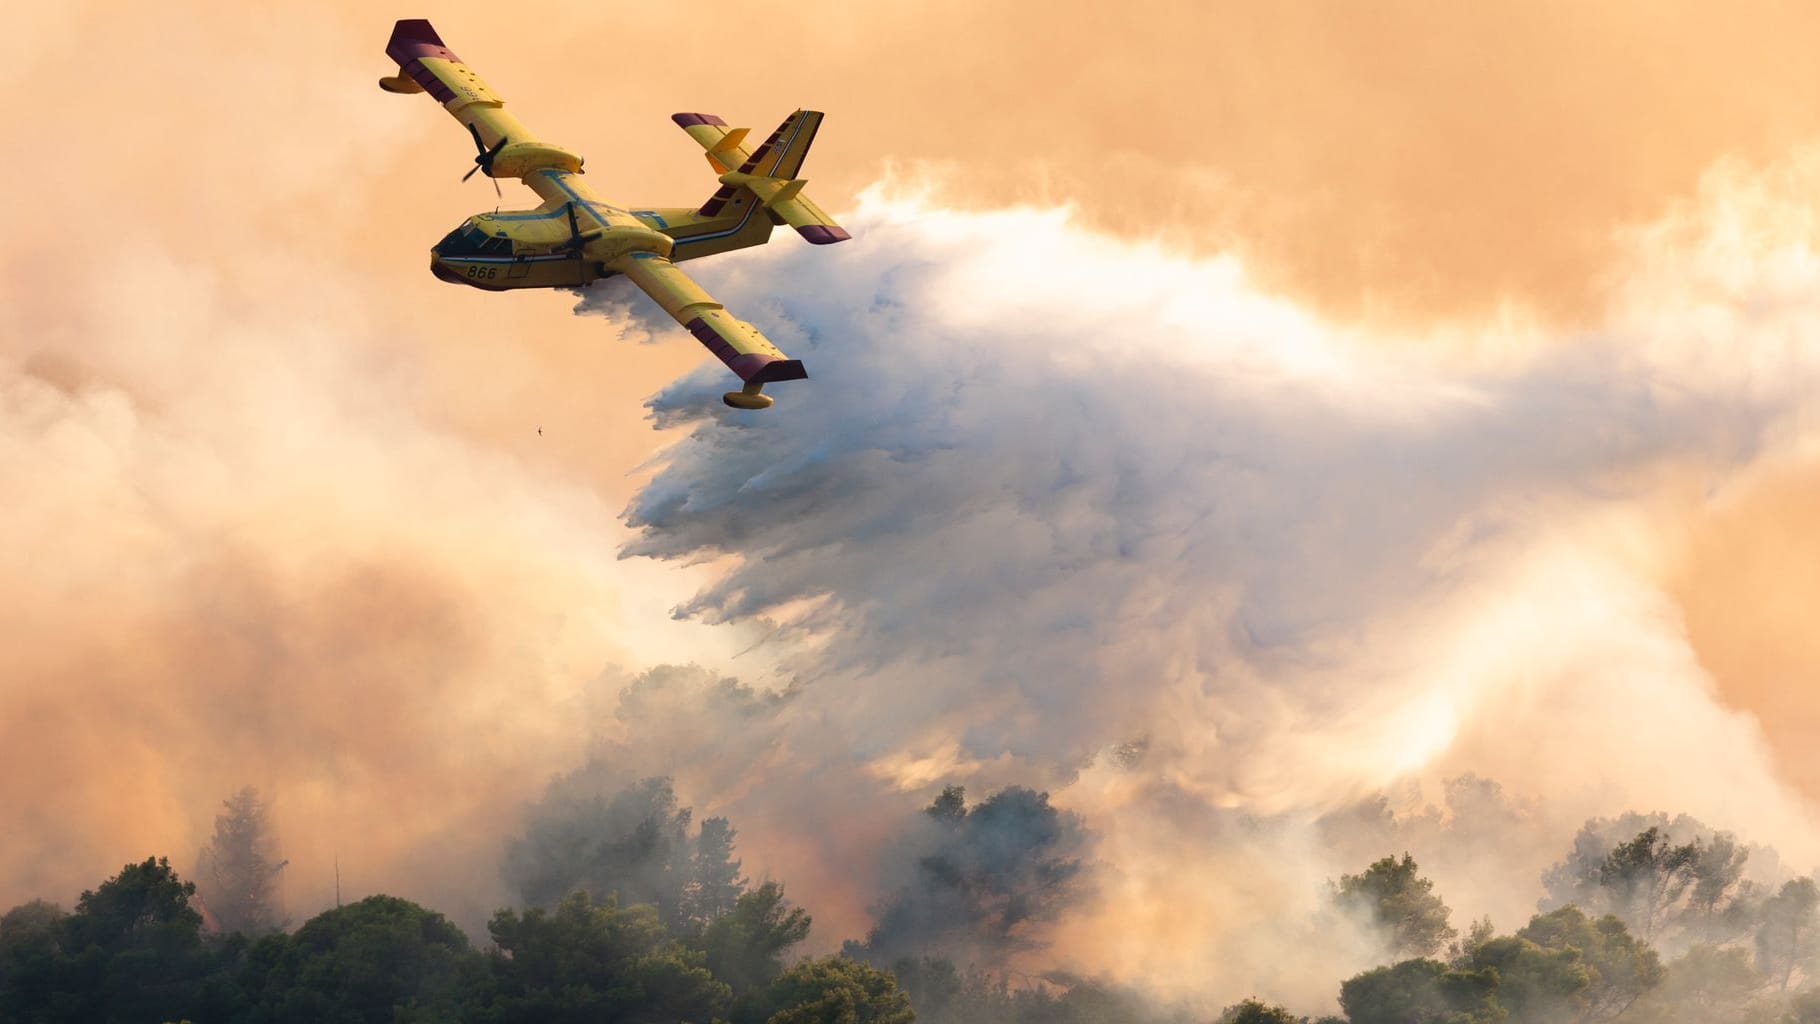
<point x="1062" y="511"/>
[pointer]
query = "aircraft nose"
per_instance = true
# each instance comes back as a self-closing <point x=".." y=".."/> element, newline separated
<point x="443" y="273"/>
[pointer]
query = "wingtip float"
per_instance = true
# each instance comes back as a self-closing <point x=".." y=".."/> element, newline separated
<point x="574" y="237"/>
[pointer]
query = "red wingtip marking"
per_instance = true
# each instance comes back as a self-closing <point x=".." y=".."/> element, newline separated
<point x="822" y="234"/>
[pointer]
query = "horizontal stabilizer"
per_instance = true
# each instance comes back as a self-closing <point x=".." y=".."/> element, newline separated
<point x="768" y="172"/>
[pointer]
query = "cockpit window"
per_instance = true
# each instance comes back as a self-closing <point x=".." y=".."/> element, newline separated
<point x="466" y="240"/>
<point x="498" y="244"/>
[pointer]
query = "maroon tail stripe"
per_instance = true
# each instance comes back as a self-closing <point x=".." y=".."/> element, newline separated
<point x="413" y="38"/>
<point x="751" y="163"/>
<point x="427" y="78"/>
<point x="719" y="199"/>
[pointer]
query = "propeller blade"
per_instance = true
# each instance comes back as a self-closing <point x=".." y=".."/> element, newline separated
<point x="484" y="160"/>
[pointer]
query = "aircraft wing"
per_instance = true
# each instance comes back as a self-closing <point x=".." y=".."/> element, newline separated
<point x="746" y="352"/>
<point x="507" y="149"/>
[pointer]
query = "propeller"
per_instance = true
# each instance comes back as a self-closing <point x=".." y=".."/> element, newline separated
<point x="484" y="162"/>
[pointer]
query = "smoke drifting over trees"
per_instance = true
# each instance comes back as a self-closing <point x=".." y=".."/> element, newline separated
<point x="1067" y="516"/>
<point x="238" y="871"/>
<point x="976" y="882"/>
<point x="628" y="912"/>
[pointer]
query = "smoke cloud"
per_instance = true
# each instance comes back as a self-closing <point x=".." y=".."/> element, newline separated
<point x="1193" y="539"/>
<point x="1058" y="510"/>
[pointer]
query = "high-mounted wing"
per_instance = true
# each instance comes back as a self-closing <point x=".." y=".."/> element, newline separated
<point x="623" y="243"/>
<point x="506" y="148"/>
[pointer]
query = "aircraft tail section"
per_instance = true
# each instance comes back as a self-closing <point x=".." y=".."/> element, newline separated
<point x="768" y="173"/>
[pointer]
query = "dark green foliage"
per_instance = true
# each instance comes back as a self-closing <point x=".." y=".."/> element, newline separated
<point x="31" y="940"/>
<point x="832" y="990"/>
<point x="1478" y="934"/>
<point x="583" y="961"/>
<point x="1647" y="877"/>
<point x="361" y="963"/>
<point x="1402" y="904"/>
<point x="1421" y="992"/>
<point x="1252" y="1011"/>
<point x="1620" y="966"/>
<point x="1536" y="984"/>
<point x="950" y="807"/>
<point x="714" y="884"/>
<point x="746" y="948"/>
<point x="132" y="950"/>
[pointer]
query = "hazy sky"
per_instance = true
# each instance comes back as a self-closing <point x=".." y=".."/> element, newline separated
<point x="278" y="512"/>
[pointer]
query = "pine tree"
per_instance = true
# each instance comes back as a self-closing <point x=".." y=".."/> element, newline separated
<point x="238" y="871"/>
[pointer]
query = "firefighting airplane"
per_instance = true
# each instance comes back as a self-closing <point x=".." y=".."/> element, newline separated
<point x="575" y="237"/>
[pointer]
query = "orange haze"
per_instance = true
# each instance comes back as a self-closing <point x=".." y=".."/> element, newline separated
<point x="277" y="508"/>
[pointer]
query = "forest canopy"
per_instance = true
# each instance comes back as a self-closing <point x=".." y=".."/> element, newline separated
<point x="632" y="911"/>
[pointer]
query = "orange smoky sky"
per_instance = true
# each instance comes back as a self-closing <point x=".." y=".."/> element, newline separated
<point x="278" y="510"/>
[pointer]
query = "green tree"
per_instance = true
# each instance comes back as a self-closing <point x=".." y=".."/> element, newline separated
<point x="1647" y="877"/>
<point x="832" y="990"/>
<point x="1421" y="992"/>
<point x="237" y="873"/>
<point x="136" y="944"/>
<point x="1401" y="903"/>
<point x="1477" y="935"/>
<point x="1621" y="967"/>
<point x="979" y="881"/>
<point x="1788" y="939"/>
<point x="1718" y="885"/>
<point x="950" y="808"/>
<point x="1251" y="1011"/>
<point x="585" y="962"/>
<point x="714" y="885"/>
<point x="746" y="948"/>
<point x="377" y="960"/>
<point x="132" y="950"/>
<point x="1537" y="985"/>
<point x="31" y="943"/>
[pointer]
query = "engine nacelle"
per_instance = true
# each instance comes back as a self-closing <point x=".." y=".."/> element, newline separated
<point x="520" y="159"/>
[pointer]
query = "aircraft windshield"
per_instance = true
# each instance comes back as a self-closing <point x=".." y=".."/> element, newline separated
<point x="469" y="240"/>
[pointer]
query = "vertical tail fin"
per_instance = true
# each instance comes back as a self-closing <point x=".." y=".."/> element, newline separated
<point x="768" y="172"/>
<point x="781" y="155"/>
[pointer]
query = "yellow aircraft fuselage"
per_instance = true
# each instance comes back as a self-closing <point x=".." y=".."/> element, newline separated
<point x="574" y="237"/>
